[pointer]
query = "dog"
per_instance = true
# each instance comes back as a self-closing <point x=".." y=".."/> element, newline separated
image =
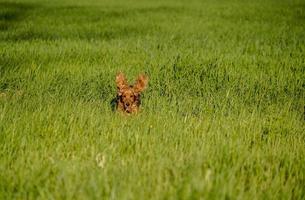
<point x="128" y="99"/>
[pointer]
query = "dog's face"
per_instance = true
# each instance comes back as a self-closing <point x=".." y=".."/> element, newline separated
<point x="129" y="95"/>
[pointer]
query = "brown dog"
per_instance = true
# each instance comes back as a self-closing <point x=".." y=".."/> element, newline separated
<point x="128" y="97"/>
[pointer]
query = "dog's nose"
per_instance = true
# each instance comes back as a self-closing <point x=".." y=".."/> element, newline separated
<point x="127" y="104"/>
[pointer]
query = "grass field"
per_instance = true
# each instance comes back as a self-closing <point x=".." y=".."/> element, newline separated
<point x="222" y="118"/>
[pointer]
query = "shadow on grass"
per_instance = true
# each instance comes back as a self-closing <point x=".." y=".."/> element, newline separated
<point x="30" y="22"/>
<point x="72" y="22"/>
<point x="12" y="13"/>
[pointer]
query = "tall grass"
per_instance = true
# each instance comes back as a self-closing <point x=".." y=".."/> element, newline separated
<point x="222" y="118"/>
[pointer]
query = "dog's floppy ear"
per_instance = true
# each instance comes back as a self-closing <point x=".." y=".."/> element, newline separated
<point x="121" y="82"/>
<point x="141" y="83"/>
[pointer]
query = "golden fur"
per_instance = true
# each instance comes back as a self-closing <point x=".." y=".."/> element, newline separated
<point x="129" y="96"/>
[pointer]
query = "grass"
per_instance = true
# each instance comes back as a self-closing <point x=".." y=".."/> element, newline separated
<point x="222" y="118"/>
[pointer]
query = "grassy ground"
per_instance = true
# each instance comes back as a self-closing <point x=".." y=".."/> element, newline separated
<point x="222" y="118"/>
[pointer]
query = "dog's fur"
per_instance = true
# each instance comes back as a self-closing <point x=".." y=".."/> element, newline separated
<point x="128" y="97"/>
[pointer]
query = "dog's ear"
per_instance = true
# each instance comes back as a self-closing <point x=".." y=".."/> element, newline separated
<point x="141" y="83"/>
<point x="121" y="82"/>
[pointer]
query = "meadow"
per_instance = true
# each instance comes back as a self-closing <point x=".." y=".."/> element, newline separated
<point x="222" y="117"/>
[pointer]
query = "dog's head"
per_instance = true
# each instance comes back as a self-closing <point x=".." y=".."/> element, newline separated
<point x="129" y="95"/>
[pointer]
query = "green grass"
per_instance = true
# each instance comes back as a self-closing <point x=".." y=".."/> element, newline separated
<point x="222" y="118"/>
